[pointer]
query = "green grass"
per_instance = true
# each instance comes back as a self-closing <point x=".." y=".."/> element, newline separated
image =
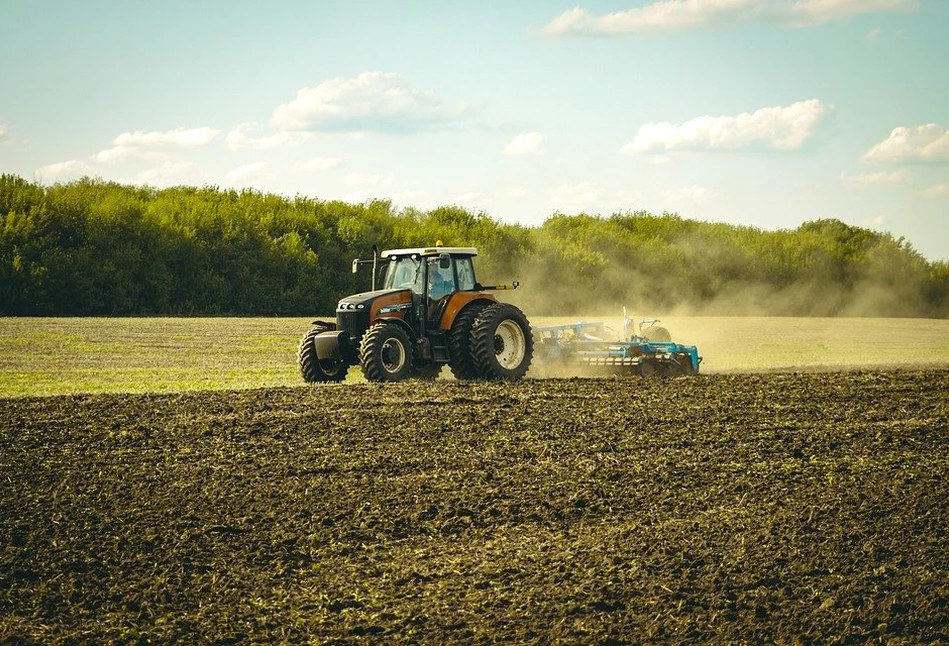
<point x="51" y="356"/>
<point x="47" y="356"/>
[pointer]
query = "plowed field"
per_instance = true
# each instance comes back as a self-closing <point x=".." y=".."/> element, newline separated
<point x="784" y="508"/>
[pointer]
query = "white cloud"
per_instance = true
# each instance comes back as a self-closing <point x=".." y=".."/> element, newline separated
<point x="927" y="143"/>
<point x="407" y="196"/>
<point x="141" y="144"/>
<point x="3" y="132"/>
<point x="64" y="171"/>
<point x="874" y="33"/>
<point x="182" y="137"/>
<point x="369" y="102"/>
<point x="119" y="154"/>
<point x="573" y="195"/>
<point x="865" y="180"/>
<point x="357" y="179"/>
<point x="773" y="128"/>
<point x="317" y="164"/>
<point x="247" y="172"/>
<point x="694" y="193"/>
<point x="116" y="153"/>
<point x="170" y="172"/>
<point x="937" y="191"/>
<point x="516" y="192"/>
<point x="242" y="137"/>
<point x="468" y="198"/>
<point x="528" y="143"/>
<point x="587" y="196"/>
<point x="815" y="12"/>
<point x="672" y="14"/>
<point x="803" y="13"/>
<point x="137" y="145"/>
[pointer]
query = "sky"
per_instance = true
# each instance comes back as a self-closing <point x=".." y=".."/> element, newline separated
<point x="764" y="113"/>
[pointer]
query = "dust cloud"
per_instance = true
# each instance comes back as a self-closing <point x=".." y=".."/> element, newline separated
<point x="810" y="324"/>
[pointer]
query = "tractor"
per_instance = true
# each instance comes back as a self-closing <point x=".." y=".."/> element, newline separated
<point x="430" y="311"/>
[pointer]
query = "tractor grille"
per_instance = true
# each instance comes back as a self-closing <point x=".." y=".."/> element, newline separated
<point x="355" y="323"/>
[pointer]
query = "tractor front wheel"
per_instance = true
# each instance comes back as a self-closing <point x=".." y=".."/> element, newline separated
<point x="314" y="370"/>
<point x="385" y="353"/>
<point x="501" y="342"/>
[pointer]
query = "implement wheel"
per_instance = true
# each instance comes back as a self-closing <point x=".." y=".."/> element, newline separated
<point x="657" y="333"/>
<point x="386" y="353"/>
<point x="459" y="343"/>
<point x="501" y="342"/>
<point x="314" y="370"/>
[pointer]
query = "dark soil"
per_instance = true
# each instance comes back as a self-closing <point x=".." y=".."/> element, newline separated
<point x="789" y="508"/>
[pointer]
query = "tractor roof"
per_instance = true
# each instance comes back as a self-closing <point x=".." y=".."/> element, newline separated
<point x="431" y="251"/>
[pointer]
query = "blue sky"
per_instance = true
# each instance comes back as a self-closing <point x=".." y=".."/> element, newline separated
<point x="766" y="113"/>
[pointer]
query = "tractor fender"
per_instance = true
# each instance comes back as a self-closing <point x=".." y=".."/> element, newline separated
<point x="400" y="322"/>
<point x="458" y="302"/>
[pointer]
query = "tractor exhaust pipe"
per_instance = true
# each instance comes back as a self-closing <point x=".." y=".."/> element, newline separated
<point x="375" y="265"/>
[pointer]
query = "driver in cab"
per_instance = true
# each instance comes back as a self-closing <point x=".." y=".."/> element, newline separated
<point x="440" y="282"/>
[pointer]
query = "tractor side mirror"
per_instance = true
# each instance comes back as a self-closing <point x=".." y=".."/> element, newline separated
<point x="355" y="265"/>
<point x="444" y="261"/>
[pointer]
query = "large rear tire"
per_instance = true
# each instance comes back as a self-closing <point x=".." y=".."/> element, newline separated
<point x="459" y="343"/>
<point x="502" y="345"/>
<point x="312" y="369"/>
<point x="386" y="353"/>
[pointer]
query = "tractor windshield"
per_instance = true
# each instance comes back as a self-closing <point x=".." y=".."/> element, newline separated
<point x="405" y="272"/>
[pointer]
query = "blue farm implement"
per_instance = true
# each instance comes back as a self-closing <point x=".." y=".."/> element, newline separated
<point x="586" y="345"/>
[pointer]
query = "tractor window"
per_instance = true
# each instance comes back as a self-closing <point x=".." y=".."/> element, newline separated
<point x="465" y="269"/>
<point x="441" y="282"/>
<point x="405" y="272"/>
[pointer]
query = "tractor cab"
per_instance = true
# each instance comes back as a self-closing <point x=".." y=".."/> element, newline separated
<point x="433" y="276"/>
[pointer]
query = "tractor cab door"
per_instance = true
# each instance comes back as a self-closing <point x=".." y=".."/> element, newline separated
<point x="408" y="272"/>
<point x="441" y="284"/>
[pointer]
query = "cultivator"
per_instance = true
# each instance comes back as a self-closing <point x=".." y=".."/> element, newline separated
<point x="587" y="346"/>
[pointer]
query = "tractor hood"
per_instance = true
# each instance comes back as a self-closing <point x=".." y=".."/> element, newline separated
<point x="380" y="302"/>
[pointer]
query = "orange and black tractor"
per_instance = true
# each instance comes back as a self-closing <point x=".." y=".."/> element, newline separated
<point x="431" y="311"/>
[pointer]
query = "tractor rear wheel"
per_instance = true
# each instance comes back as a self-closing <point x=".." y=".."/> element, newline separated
<point x="501" y="342"/>
<point x="386" y="353"/>
<point x="312" y="369"/>
<point x="459" y="343"/>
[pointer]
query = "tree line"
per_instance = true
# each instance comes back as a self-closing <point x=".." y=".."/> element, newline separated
<point x="92" y="247"/>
